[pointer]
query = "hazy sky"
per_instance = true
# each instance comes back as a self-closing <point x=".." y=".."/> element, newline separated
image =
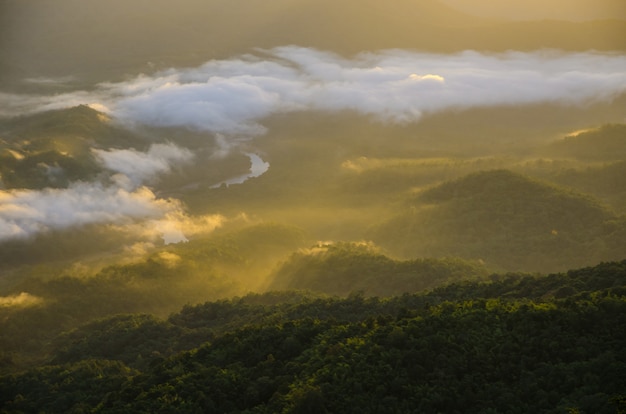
<point x="576" y="10"/>
<point x="98" y="41"/>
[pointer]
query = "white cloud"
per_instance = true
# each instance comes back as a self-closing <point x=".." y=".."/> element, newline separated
<point x="232" y="96"/>
<point x="140" y="167"/>
<point x="24" y="213"/>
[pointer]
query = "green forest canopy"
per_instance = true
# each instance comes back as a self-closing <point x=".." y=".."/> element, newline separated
<point x="514" y="343"/>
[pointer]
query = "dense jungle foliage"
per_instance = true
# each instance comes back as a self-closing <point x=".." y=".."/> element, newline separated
<point x="511" y="343"/>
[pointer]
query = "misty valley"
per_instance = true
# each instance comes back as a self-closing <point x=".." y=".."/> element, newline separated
<point x="368" y="228"/>
<point x="413" y="210"/>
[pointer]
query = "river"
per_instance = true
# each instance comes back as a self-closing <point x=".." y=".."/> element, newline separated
<point x="258" y="167"/>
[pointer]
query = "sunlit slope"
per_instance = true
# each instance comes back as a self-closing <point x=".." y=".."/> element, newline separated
<point x="39" y="302"/>
<point x="100" y="41"/>
<point x="336" y="172"/>
<point x="53" y="149"/>
<point x="607" y="143"/>
<point x="597" y="163"/>
<point x="127" y="336"/>
<point x="331" y="174"/>
<point x="506" y="219"/>
<point x="344" y="268"/>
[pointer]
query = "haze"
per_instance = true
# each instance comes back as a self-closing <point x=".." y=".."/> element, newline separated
<point x="91" y="41"/>
<point x="575" y="10"/>
<point x="303" y="157"/>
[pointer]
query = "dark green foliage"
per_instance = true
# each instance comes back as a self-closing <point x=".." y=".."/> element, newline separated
<point x="73" y="388"/>
<point x="506" y="345"/>
<point x="607" y="277"/>
<point x="132" y="339"/>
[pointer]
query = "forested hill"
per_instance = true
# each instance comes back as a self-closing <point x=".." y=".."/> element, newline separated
<point x="344" y="268"/>
<point x="514" y="343"/>
<point x="508" y="220"/>
<point x="606" y="144"/>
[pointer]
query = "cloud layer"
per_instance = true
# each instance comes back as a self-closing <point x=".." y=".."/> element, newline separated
<point x="233" y="96"/>
<point x="25" y="213"/>
<point x="230" y="98"/>
<point x="140" y="167"/>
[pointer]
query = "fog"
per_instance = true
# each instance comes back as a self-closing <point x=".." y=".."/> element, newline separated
<point x="21" y="300"/>
<point x="139" y="167"/>
<point x="232" y="96"/>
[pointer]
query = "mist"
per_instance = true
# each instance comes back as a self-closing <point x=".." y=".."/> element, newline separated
<point x="27" y="212"/>
<point x="139" y="167"/>
<point x="233" y="96"/>
<point x="21" y="300"/>
<point x="229" y="99"/>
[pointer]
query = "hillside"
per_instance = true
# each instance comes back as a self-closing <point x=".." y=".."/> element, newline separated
<point x="605" y="181"/>
<point x="606" y="143"/>
<point x="343" y="268"/>
<point x="58" y="147"/>
<point x="507" y="220"/>
<point x="53" y="148"/>
<point x="508" y="337"/>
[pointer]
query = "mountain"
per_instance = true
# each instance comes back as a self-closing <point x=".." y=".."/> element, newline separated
<point x="604" y="181"/>
<point x="506" y="219"/>
<point x="53" y="149"/>
<point x="531" y="343"/>
<point x="606" y="143"/>
<point x="344" y="268"/>
<point x="592" y="162"/>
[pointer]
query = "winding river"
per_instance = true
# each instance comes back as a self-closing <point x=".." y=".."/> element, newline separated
<point x="258" y="167"/>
